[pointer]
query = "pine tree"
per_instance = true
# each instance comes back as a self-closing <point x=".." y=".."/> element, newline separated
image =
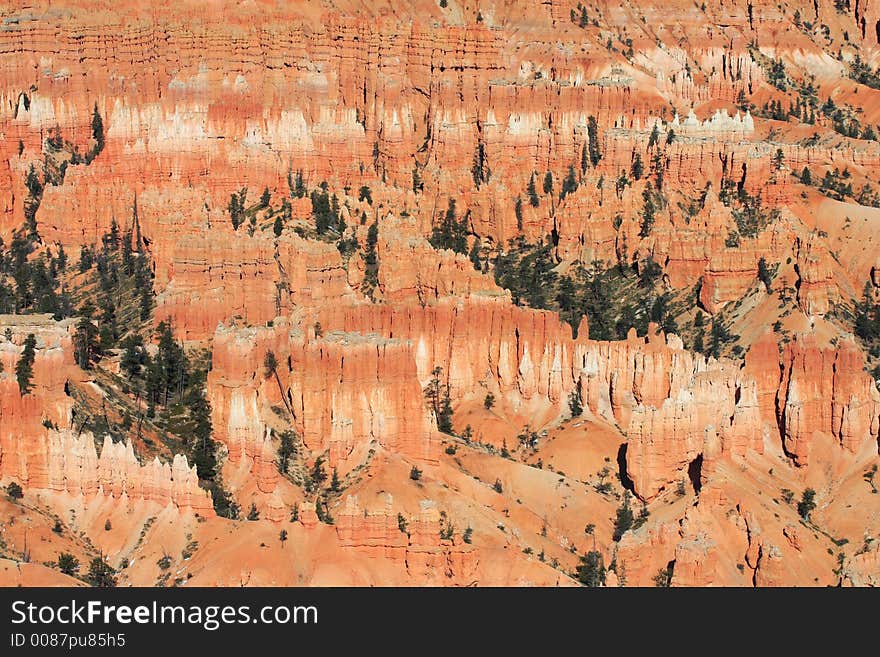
<point x="574" y="404"/>
<point x="97" y="131"/>
<point x="778" y="159"/>
<point x="593" y="138"/>
<point x="450" y="233"/>
<point x="24" y="369"/>
<point x="236" y="208"/>
<point x="548" y="183"/>
<point x="624" y="519"/>
<point x="698" y="342"/>
<point x="764" y="274"/>
<point x="285" y="451"/>
<point x="299" y="189"/>
<point x="532" y="192"/>
<point x="371" y="261"/>
<point x="591" y="570"/>
<point x="637" y="170"/>
<point x="364" y="194"/>
<point x="68" y="564"/>
<point x="479" y="170"/>
<point x="85" y="343"/>
<point x="718" y="336"/>
<point x="569" y="184"/>
<point x="202" y="445"/>
<point x="101" y="575"/>
<point x="132" y="356"/>
<point x="318" y="476"/>
<point x="807" y="504"/>
<point x="61" y="259"/>
<point x="655" y="136"/>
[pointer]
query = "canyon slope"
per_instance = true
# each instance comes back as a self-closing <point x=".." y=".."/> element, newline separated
<point x="440" y="293"/>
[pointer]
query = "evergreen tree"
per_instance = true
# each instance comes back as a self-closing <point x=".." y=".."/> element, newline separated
<point x="637" y="170"/>
<point x="569" y="184"/>
<point x="172" y="363"/>
<point x="299" y="189"/>
<point x="133" y="355"/>
<point x="323" y="213"/>
<point x="236" y="208"/>
<point x="85" y="343"/>
<point x="13" y="490"/>
<point x="624" y="519"/>
<point x="24" y="369"/>
<point x="764" y="274"/>
<point x="698" y="342"/>
<point x="68" y="564"/>
<point x="718" y="336"/>
<point x="532" y="192"/>
<point x="437" y="396"/>
<point x="61" y="259"/>
<point x="365" y="195"/>
<point x="807" y="504"/>
<point x="663" y="578"/>
<point x="518" y="213"/>
<point x="474" y="255"/>
<point x="655" y="137"/>
<point x="371" y="261"/>
<point x="548" y="183"/>
<point x="450" y="233"/>
<point x="479" y="168"/>
<point x="32" y="202"/>
<point x="778" y="159"/>
<point x="649" y="210"/>
<point x="593" y="139"/>
<point x="285" y="451"/>
<point x="574" y="403"/>
<point x="202" y="445"/>
<point x="97" y="131"/>
<point x="591" y="570"/>
<point x="318" y="476"/>
<point x="867" y="321"/>
<point x="101" y="575"/>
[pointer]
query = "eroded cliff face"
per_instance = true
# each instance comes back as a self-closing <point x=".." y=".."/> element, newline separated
<point x="43" y="447"/>
<point x="642" y="133"/>
<point x="341" y="392"/>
